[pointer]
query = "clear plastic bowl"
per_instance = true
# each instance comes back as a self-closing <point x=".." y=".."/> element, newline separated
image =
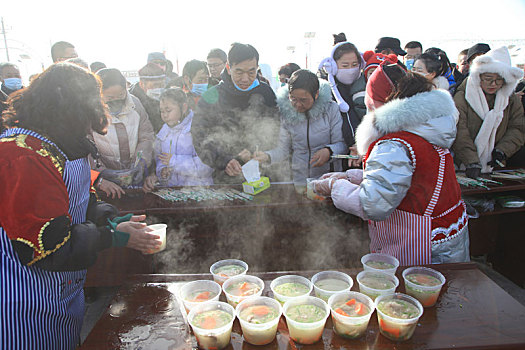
<point x="259" y="333"/>
<point x="397" y="329"/>
<point x="372" y="292"/>
<point x="198" y="286"/>
<point x="220" y="279"/>
<point x="290" y="279"/>
<point x="233" y="300"/>
<point x="382" y="258"/>
<point x="216" y="338"/>
<point x="350" y="326"/>
<point x="324" y="275"/>
<point x="159" y="230"/>
<point x="426" y="295"/>
<point x="301" y="332"/>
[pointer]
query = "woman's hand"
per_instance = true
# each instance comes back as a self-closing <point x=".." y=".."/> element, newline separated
<point x="355" y="163"/>
<point x="139" y="238"/>
<point x="110" y="188"/>
<point x="165" y="158"/>
<point x="245" y="155"/>
<point x="324" y="187"/>
<point x="320" y="157"/>
<point x="150" y="183"/>
<point x="336" y="175"/>
<point x="262" y="157"/>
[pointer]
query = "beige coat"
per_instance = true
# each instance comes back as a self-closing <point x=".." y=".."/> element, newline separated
<point x="139" y="131"/>
<point x="510" y="135"/>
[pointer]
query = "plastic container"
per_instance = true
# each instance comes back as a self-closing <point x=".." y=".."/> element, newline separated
<point x="220" y="277"/>
<point x="426" y="295"/>
<point x="290" y="279"/>
<point x="212" y="338"/>
<point x="350" y="326"/>
<point x="380" y="259"/>
<point x="328" y="283"/>
<point x="259" y="333"/>
<point x="191" y="296"/>
<point x="306" y="332"/>
<point x="233" y="299"/>
<point x="310" y="192"/>
<point x="393" y="328"/>
<point x="379" y="277"/>
<point x="159" y="230"/>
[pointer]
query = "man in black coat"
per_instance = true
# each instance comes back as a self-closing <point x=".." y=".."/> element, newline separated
<point x="236" y="117"/>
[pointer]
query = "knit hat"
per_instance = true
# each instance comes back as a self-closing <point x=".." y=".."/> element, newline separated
<point x="373" y="59"/>
<point x="477" y="49"/>
<point x="380" y="85"/>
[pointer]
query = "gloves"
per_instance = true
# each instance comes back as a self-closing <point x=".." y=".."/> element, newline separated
<point x="337" y="175"/>
<point x="119" y="239"/>
<point x="324" y="186"/>
<point x="498" y="157"/>
<point x="473" y="170"/>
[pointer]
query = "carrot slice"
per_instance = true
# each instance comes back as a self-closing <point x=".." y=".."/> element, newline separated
<point x="208" y="323"/>
<point x="260" y="310"/>
<point x="392" y="330"/>
<point x="243" y="286"/>
<point x="202" y="296"/>
<point x="350" y="302"/>
<point x="360" y="308"/>
<point x="341" y="312"/>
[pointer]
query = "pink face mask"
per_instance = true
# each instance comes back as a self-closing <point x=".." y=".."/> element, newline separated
<point x="349" y="75"/>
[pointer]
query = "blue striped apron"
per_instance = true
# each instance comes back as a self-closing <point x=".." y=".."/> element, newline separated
<point x="42" y="309"/>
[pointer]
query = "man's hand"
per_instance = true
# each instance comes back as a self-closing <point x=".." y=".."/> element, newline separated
<point x="355" y="163"/>
<point x="233" y="168"/>
<point x="320" y="157"/>
<point x="110" y="188"/>
<point x="150" y="182"/>
<point x="245" y="155"/>
<point x="262" y="157"/>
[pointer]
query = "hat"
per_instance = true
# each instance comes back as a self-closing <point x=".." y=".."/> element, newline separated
<point x="156" y="56"/>
<point x="390" y="43"/>
<point x="479" y="48"/>
<point x="373" y="60"/>
<point x="381" y="84"/>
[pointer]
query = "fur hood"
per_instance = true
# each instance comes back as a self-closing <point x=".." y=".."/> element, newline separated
<point x="290" y="115"/>
<point x="441" y="82"/>
<point x="431" y="115"/>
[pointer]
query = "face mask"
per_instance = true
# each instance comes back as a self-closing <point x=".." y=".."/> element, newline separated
<point x="254" y="85"/>
<point x="199" y="89"/>
<point x="155" y="93"/>
<point x="13" y="83"/>
<point x="348" y="76"/>
<point x="115" y="106"/>
<point x="409" y="63"/>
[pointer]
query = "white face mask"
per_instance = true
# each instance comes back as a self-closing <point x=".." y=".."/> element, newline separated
<point x="349" y="75"/>
<point x="155" y="93"/>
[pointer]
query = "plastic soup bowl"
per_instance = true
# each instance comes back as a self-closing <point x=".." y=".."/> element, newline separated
<point x="220" y="278"/>
<point x="397" y="329"/>
<point x="290" y="279"/>
<point x="340" y="277"/>
<point x="232" y="299"/>
<point x="188" y="291"/>
<point x="306" y="332"/>
<point x="259" y="333"/>
<point x="350" y="326"/>
<point x="214" y="338"/>
<point x="380" y="258"/>
<point x="375" y="292"/>
<point x="427" y="295"/>
<point x="159" y="230"/>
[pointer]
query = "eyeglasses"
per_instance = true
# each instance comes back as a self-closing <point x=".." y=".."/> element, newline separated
<point x="302" y="101"/>
<point x="215" y="65"/>
<point x="490" y="81"/>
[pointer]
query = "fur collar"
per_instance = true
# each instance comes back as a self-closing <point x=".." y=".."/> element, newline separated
<point x="402" y="114"/>
<point x="290" y="114"/>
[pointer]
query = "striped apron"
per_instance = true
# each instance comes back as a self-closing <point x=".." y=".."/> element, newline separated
<point x="43" y="309"/>
<point x="407" y="236"/>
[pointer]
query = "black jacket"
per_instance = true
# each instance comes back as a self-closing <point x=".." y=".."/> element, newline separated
<point x="228" y="120"/>
<point x="151" y="106"/>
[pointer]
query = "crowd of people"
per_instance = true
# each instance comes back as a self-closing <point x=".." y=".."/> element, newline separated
<point x="408" y="117"/>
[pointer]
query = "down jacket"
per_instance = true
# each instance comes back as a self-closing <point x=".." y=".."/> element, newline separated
<point x="303" y="134"/>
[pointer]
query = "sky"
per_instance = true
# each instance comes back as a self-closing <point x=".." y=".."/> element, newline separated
<point x="122" y="33"/>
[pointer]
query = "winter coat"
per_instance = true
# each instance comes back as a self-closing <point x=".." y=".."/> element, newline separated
<point x="303" y="134"/>
<point x="139" y="132"/>
<point x="441" y="82"/>
<point x="151" y="106"/>
<point x="510" y="134"/>
<point x="228" y="120"/>
<point x="187" y="168"/>
<point x="354" y="95"/>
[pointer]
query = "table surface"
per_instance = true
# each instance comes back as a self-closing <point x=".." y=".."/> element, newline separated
<point x="472" y="313"/>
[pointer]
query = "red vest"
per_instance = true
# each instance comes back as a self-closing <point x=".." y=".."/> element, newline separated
<point x="449" y="212"/>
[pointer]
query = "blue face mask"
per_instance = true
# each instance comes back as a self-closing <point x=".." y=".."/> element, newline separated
<point x="13" y="83"/>
<point x="254" y="85"/>
<point x="409" y="63"/>
<point x="199" y="89"/>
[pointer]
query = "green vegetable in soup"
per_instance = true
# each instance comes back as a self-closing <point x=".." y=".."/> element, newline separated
<point x="423" y="279"/>
<point x="332" y="284"/>
<point x="306" y="313"/>
<point x="258" y="314"/>
<point x="292" y="289"/>
<point x="397" y="308"/>
<point x="380" y="265"/>
<point x="229" y="270"/>
<point x="377" y="282"/>
<point x="212" y="319"/>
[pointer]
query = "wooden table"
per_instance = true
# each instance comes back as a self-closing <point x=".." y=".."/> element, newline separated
<point x="472" y="313"/>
